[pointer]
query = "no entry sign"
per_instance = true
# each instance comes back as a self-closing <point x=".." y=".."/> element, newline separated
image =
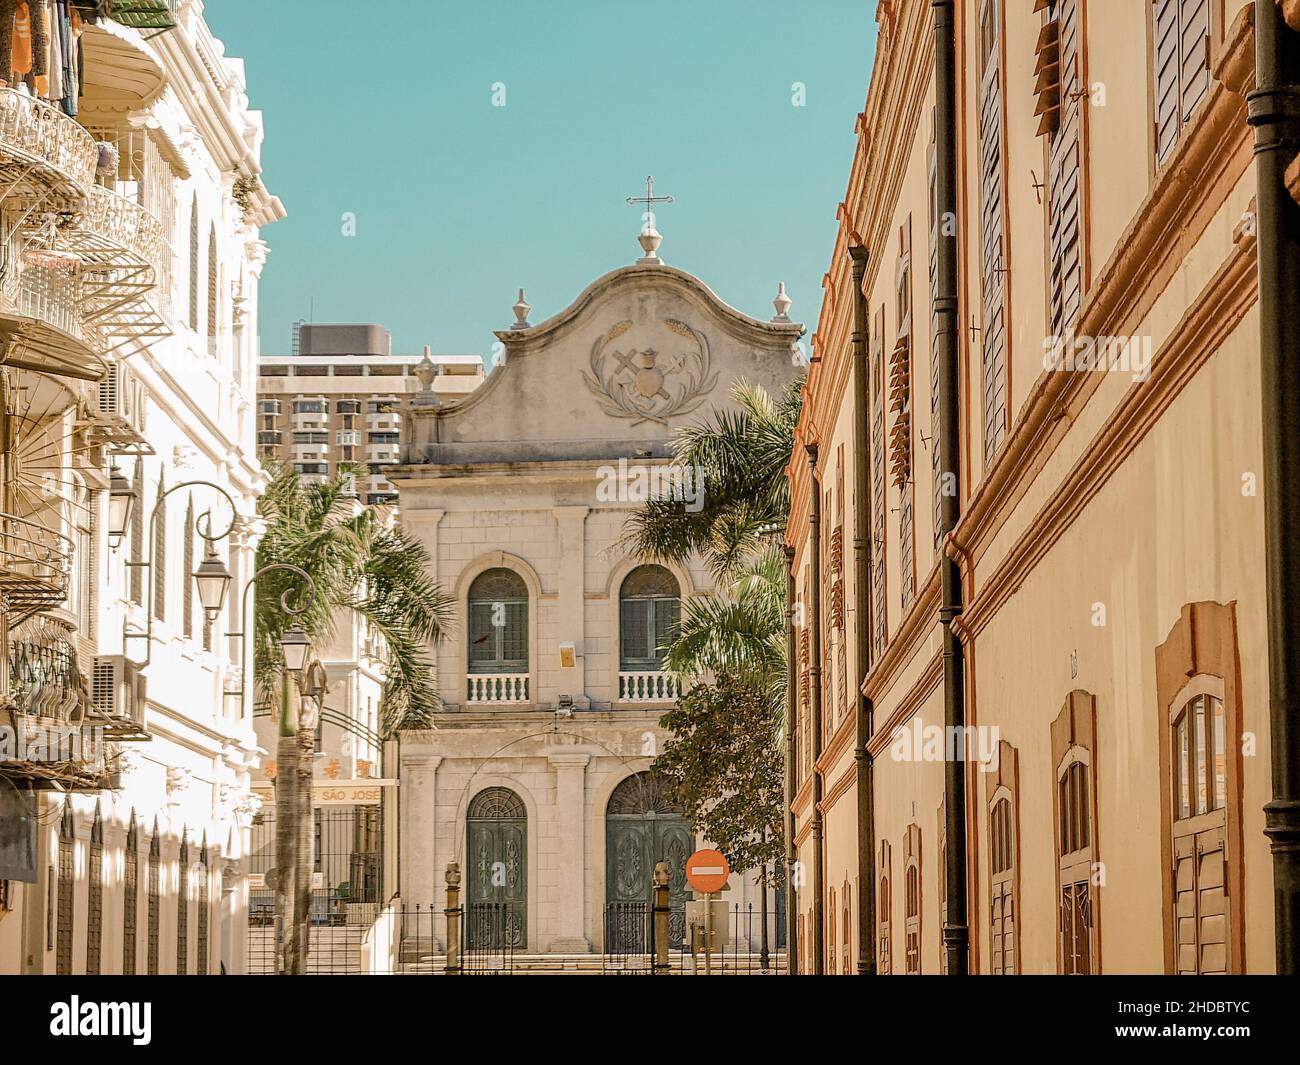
<point x="707" y="871"/>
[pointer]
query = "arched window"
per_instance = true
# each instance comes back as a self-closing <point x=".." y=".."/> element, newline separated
<point x="884" y="900"/>
<point x="1075" y="801"/>
<point x="830" y="934"/>
<point x="498" y="623"/>
<point x="650" y="608"/>
<point x="1001" y="796"/>
<point x="912" y="900"/>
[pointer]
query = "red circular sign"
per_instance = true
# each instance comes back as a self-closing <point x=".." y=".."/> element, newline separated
<point x="707" y="871"/>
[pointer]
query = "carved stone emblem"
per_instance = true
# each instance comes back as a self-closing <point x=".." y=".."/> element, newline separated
<point x="651" y="384"/>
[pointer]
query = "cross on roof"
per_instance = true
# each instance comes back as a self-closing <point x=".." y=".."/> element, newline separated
<point x="649" y="199"/>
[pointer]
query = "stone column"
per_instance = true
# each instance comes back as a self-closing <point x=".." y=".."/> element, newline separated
<point x="571" y="823"/>
<point x="571" y="585"/>
<point x="419" y="791"/>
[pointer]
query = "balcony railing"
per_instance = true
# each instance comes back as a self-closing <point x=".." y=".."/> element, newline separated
<point x="34" y="566"/>
<point x="652" y="687"/>
<point x="497" y="688"/>
<point x="43" y="152"/>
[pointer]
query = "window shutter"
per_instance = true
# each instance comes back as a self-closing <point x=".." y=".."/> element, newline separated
<point x="1181" y="53"/>
<point x="1194" y="35"/>
<point x="1164" y="15"/>
<point x="137" y="534"/>
<point x="194" y="264"/>
<point x="1064" y="178"/>
<point x="900" y="396"/>
<point x="933" y="169"/>
<point x="880" y="618"/>
<point x="992" y="229"/>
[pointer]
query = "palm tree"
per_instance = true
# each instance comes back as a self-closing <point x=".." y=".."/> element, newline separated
<point x="742" y="455"/>
<point x="359" y="562"/>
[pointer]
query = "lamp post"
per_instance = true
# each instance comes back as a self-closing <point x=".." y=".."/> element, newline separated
<point x="295" y="645"/>
<point x="211" y="577"/>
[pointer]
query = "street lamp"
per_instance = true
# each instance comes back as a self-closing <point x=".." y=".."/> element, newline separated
<point x="208" y="576"/>
<point x="213" y="582"/>
<point x="121" y="500"/>
<point x="295" y="645"/>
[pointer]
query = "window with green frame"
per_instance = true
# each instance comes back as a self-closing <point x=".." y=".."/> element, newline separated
<point x="649" y="611"/>
<point x="498" y="623"/>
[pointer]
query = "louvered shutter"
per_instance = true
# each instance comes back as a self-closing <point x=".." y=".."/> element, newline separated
<point x="992" y="228"/>
<point x="1064" y="182"/>
<point x="1200" y="902"/>
<point x="936" y="483"/>
<point x="1181" y="53"/>
<point x="880" y="617"/>
<point x="1165" y="55"/>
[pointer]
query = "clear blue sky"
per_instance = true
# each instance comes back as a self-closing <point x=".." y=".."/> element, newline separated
<point x="386" y="111"/>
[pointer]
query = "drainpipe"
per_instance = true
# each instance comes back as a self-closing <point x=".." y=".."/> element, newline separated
<point x="791" y="696"/>
<point x="865" y="783"/>
<point x="956" y="933"/>
<point x="1273" y="108"/>
<point x="815" y="705"/>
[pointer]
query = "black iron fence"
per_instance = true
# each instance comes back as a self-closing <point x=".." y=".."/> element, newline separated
<point x="739" y="945"/>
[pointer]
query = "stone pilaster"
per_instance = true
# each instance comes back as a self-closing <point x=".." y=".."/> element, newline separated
<point x="421" y="874"/>
<point x="571" y="585"/>
<point x="571" y="823"/>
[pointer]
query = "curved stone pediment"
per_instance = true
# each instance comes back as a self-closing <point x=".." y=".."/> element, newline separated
<point x="640" y="352"/>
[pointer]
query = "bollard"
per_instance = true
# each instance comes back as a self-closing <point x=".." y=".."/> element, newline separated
<point x="453" y="912"/>
<point x="661" y="911"/>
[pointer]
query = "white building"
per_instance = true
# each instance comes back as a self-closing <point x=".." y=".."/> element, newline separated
<point x="533" y="777"/>
<point x="141" y="858"/>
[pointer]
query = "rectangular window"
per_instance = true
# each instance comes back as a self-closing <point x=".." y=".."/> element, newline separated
<point x="1064" y="173"/>
<point x="992" y="229"/>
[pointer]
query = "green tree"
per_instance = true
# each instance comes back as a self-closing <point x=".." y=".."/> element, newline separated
<point x="724" y="762"/>
<point x="359" y="562"/>
<point x="722" y="765"/>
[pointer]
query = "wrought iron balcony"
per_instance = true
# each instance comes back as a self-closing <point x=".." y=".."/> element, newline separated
<point x="124" y="262"/>
<point x="35" y="561"/>
<point x="41" y="313"/>
<point x="55" y="742"/>
<point x="45" y="156"/>
<point x="648" y="687"/>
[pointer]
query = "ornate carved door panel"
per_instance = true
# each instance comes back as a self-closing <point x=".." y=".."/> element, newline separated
<point x="642" y="828"/>
<point x="498" y="870"/>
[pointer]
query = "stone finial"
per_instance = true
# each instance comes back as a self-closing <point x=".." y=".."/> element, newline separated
<point x="650" y="239"/>
<point x="425" y="371"/>
<point x="521" y="309"/>
<point x="782" y="304"/>
<point x="453" y="874"/>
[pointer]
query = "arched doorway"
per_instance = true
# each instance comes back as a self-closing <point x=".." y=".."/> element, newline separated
<point x="643" y="827"/>
<point x="498" y="870"/>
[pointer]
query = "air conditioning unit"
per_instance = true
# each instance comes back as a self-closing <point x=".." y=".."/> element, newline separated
<point x="119" y="695"/>
<point x="121" y="400"/>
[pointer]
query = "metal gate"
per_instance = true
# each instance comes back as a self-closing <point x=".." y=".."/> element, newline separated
<point x="346" y="889"/>
<point x="498" y="870"/>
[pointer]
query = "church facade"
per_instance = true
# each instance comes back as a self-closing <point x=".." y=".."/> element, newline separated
<point x="534" y="777"/>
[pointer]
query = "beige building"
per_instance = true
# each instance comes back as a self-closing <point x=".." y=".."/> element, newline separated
<point x="1028" y="499"/>
<point x="534" y="776"/>
<point x="350" y="409"/>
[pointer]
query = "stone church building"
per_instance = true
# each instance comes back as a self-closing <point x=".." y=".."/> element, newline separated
<point x="533" y="776"/>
